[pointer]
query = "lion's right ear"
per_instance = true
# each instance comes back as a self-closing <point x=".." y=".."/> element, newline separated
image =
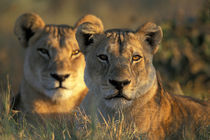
<point x="152" y="35"/>
<point x="89" y="26"/>
<point x="26" y="26"/>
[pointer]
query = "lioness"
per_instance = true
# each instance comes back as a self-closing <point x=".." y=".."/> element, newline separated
<point x="53" y="80"/>
<point x="121" y="78"/>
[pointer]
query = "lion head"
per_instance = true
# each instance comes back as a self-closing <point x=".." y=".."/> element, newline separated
<point x="53" y="64"/>
<point x="119" y="65"/>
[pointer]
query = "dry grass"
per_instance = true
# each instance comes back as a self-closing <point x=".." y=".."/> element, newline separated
<point x="83" y="127"/>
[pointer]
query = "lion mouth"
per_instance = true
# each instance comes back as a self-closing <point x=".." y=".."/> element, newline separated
<point x="118" y="95"/>
<point x="58" y="88"/>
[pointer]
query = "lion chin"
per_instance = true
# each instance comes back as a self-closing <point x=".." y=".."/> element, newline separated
<point x="116" y="100"/>
<point x="53" y="81"/>
<point x="121" y="77"/>
<point x="59" y="94"/>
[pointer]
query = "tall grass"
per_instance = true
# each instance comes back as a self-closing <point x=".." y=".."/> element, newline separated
<point x="82" y="127"/>
<point x="15" y="125"/>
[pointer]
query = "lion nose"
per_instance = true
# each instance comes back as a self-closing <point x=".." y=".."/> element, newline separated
<point x="119" y="84"/>
<point x="60" y="77"/>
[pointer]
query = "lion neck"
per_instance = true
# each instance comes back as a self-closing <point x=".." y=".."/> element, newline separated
<point x="149" y="109"/>
<point x="34" y="102"/>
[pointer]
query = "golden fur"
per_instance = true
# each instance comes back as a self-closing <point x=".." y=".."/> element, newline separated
<point x="53" y="66"/>
<point x="121" y="78"/>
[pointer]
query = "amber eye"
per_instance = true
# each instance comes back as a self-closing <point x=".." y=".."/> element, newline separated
<point x="43" y="52"/>
<point x="136" y="58"/>
<point x="75" y="52"/>
<point x="103" y="57"/>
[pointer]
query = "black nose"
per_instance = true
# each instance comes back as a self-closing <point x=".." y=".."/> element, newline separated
<point x="60" y="78"/>
<point x="119" y="84"/>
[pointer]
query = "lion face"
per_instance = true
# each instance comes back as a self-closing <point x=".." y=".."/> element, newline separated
<point x="53" y="63"/>
<point x="119" y="65"/>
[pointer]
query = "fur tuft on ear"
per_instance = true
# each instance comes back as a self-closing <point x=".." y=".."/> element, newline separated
<point x="152" y="35"/>
<point x="89" y="18"/>
<point x="86" y="28"/>
<point x="26" y="26"/>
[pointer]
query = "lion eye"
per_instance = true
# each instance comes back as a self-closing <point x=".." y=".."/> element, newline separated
<point x="103" y="57"/>
<point x="43" y="52"/>
<point x="136" y="58"/>
<point x="75" y="52"/>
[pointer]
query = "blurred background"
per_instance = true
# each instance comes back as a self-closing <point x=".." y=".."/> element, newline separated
<point x="183" y="59"/>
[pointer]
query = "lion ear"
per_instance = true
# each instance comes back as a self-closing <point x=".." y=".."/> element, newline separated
<point x="87" y="27"/>
<point x="26" y="26"/>
<point x="152" y="35"/>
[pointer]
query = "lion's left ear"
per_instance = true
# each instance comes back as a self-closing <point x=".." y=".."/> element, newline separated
<point x="152" y="34"/>
<point x="87" y="27"/>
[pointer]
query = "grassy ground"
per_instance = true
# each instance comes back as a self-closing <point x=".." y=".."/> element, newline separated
<point x="81" y="127"/>
<point x="11" y="128"/>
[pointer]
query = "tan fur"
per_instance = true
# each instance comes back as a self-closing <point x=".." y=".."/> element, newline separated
<point x="51" y="50"/>
<point x="121" y="78"/>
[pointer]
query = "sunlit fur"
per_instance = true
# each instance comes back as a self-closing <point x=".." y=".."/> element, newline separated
<point x="155" y="112"/>
<point x="40" y="93"/>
